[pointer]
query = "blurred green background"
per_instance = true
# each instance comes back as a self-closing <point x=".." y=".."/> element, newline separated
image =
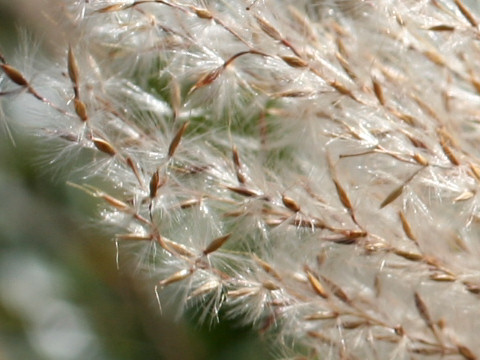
<point x="61" y="295"/>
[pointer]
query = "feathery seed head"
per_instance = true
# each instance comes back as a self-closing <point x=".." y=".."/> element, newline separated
<point x="311" y="166"/>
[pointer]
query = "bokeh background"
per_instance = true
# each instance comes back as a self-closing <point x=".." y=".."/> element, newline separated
<point x="61" y="294"/>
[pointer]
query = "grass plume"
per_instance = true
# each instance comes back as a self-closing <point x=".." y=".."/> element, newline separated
<point x="310" y="166"/>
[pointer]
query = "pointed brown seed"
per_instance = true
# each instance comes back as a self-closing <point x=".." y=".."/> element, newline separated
<point x="216" y="244"/>
<point x="190" y="203"/>
<point x="236" y="213"/>
<point x="270" y="285"/>
<point x="341" y="88"/>
<point x="242" y="292"/>
<point x="294" y="61"/>
<point x="81" y="109"/>
<point x="475" y="171"/>
<point x="133" y="237"/>
<point x="474" y="288"/>
<point x="392" y="196"/>
<point x="238" y="167"/>
<point x="203" y="14"/>
<point x="449" y="153"/>
<point x="323" y="315"/>
<point x="377" y="89"/>
<point x="176" y="140"/>
<point x="350" y="325"/>
<point x="466" y="352"/>
<point x="120" y="205"/>
<point x="207" y="79"/>
<point x="420" y="159"/>
<point x="266" y="267"/>
<point x="422" y="310"/>
<point x="290" y="203"/>
<point x="442" y="28"/>
<point x="408" y="255"/>
<point x="406" y="227"/>
<point x="348" y="236"/>
<point x="316" y="285"/>
<point x="341" y="47"/>
<point x="466" y="195"/>
<point x="14" y="75"/>
<point x="177" y="248"/>
<point x="442" y="277"/>
<point x="446" y="142"/>
<point x="354" y="234"/>
<point x="131" y="164"/>
<point x="178" y="276"/>
<point x="343" y="195"/>
<point x="427" y="351"/>
<point x="292" y="94"/>
<point x="175" y="96"/>
<point x="244" y="191"/>
<point x="416" y="142"/>
<point x="344" y="241"/>
<point x="235" y="156"/>
<point x="104" y="146"/>
<point x="346" y="66"/>
<point x="269" y="29"/>
<point x="156" y="182"/>
<point x="337" y="290"/>
<point x="73" y="72"/>
<point x="434" y="57"/>
<point x="410" y="120"/>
